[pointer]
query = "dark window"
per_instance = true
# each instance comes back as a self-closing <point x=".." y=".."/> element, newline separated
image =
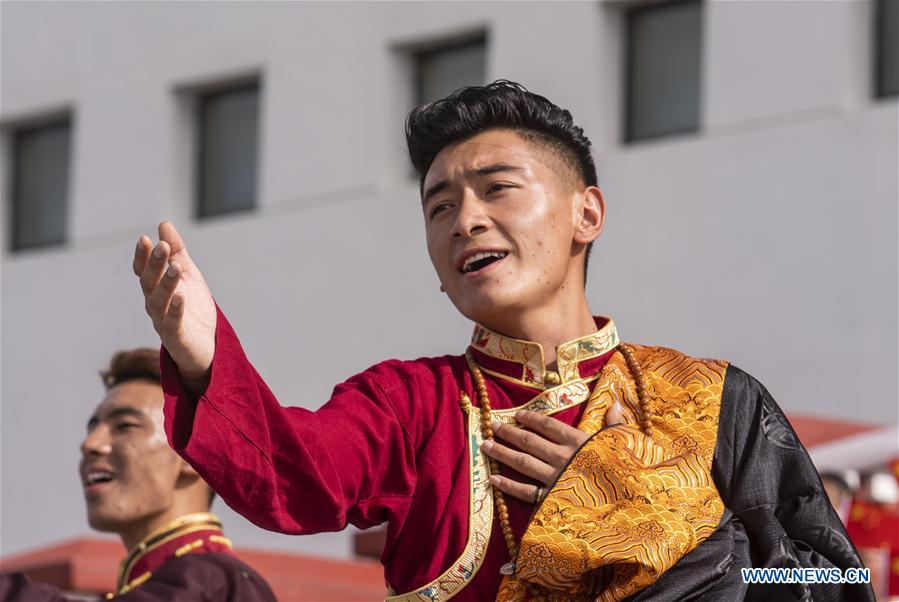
<point x="228" y="150"/>
<point x="40" y="190"/>
<point x="664" y="43"/>
<point x="887" y="48"/>
<point x="442" y="70"/>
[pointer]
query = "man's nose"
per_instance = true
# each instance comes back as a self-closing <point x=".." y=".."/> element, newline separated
<point x="471" y="216"/>
<point x="97" y="442"/>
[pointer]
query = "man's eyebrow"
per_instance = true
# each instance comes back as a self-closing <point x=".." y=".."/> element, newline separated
<point x="435" y="189"/>
<point x="497" y="168"/>
<point x="117" y="413"/>
<point x="481" y="171"/>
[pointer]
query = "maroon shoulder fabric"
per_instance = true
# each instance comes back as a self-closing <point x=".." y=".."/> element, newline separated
<point x="211" y="577"/>
<point x="17" y="587"/>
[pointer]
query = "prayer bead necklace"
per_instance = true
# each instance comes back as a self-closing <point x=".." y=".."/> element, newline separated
<point x="487" y="434"/>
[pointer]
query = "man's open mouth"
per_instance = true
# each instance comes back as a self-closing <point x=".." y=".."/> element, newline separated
<point x="480" y="261"/>
<point x="95" y="477"/>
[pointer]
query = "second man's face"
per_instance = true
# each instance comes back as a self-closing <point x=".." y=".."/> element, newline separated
<point x="128" y="471"/>
<point x="500" y="225"/>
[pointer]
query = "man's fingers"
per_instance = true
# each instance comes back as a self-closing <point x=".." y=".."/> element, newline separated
<point x="159" y="299"/>
<point x="523" y="491"/>
<point x="523" y="463"/>
<point x="141" y="254"/>
<point x="554" y="430"/>
<point x="532" y="443"/>
<point x="171" y="324"/>
<point x="169" y="233"/>
<point x="155" y="267"/>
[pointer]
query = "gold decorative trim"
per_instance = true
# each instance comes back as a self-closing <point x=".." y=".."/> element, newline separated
<point x="188" y="547"/>
<point x="532" y="359"/>
<point x="221" y="539"/>
<point x="551" y="393"/>
<point x="572" y="353"/>
<point x="480" y="523"/>
<point x="134" y="583"/>
<point x="527" y="353"/>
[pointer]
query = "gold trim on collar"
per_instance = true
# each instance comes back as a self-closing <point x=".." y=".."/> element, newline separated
<point x="177" y="527"/>
<point x="530" y="355"/>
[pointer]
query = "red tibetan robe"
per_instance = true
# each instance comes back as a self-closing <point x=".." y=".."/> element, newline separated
<point x="391" y="445"/>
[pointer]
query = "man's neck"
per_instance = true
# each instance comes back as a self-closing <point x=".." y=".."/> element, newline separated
<point x="550" y="327"/>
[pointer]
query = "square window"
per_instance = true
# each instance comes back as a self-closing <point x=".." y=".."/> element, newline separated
<point x="887" y="48"/>
<point x="228" y="150"/>
<point x="664" y="43"/>
<point x="40" y="184"/>
<point x="441" y="70"/>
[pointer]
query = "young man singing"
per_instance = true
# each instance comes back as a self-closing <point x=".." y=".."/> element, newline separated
<point x="550" y="460"/>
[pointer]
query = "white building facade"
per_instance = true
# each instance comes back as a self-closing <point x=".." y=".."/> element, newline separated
<point x="763" y="230"/>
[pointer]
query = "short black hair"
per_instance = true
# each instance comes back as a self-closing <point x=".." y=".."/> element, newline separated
<point x="469" y="111"/>
<point x="135" y="364"/>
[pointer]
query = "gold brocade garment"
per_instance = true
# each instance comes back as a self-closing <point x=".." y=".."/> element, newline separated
<point x="628" y="506"/>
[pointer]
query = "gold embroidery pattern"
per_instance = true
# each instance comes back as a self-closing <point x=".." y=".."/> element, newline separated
<point x="630" y="504"/>
<point x="574" y="352"/>
<point x="530" y="354"/>
<point x="551" y="401"/>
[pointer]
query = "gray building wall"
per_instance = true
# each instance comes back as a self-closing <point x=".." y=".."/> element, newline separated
<point x="768" y="237"/>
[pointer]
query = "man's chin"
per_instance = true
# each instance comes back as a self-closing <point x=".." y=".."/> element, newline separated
<point x="487" y="312"/>
<point x="104" y="522"/>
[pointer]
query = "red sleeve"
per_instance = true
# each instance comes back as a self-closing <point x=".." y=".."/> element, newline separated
<point x="289" y="469"/>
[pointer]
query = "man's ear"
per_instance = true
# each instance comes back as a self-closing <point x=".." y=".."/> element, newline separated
<point x="591" y="215"/>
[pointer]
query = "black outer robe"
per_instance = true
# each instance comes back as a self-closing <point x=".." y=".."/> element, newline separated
<point x="776" y="512"/>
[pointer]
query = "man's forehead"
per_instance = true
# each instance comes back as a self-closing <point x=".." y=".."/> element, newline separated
<point x="479" y="151"/>
<point x="135" y="397"/>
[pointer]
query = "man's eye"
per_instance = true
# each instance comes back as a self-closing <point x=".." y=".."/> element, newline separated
<point x="124" y="426"/>
<point x="497" y="188"/>
<point x="438" y="208"/>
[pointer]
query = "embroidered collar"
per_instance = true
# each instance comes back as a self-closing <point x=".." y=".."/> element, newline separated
<point x="191" y="533"/>
<point x="524" y="360"/>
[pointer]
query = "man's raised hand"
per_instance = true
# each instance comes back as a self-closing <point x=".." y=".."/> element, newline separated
<point x="179" y="302"/>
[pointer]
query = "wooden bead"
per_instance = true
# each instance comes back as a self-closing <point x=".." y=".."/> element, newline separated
<point x="640" y="385"/>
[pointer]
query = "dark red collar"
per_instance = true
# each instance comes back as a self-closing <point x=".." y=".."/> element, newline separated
<point x="200" y="532"/>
